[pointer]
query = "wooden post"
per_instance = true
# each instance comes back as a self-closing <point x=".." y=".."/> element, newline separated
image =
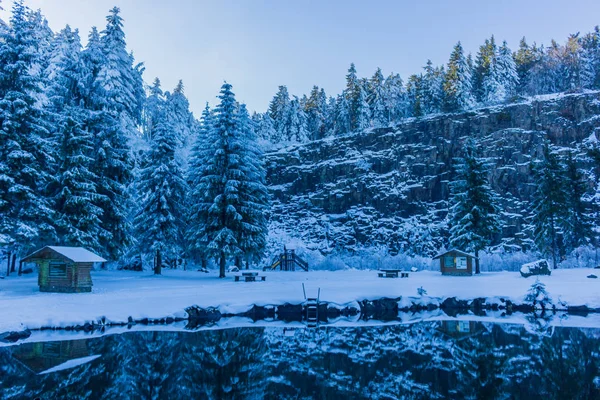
<point x="14" y="261"/>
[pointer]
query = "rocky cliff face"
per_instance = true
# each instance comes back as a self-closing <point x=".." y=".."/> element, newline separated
<point x="389" y="187"/>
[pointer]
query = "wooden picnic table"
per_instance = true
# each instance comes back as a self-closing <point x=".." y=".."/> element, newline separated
<point x="250" y="276"/>
<point x="392" y="273"/>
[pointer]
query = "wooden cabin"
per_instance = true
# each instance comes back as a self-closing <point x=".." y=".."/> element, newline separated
<point x="64" y="269"/>
<point x="456" y="262"/>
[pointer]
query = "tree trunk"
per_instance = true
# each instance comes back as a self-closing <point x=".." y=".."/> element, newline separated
<point x="14" y="262"/>
<point x="222" y="265"/>
<point x="20" y="268"/>
<point x="204" y="262"/>
<point x="158" y="265"/>
<point x="238" y="262"/>
<point x="247" y="264"/>
<point x="477" y="270"/>
<point x="9" y="254"/>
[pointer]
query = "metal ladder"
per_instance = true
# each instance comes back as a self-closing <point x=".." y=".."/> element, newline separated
<point x="312" y="309"/>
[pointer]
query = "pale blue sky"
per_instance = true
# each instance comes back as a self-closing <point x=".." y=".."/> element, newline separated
<point x="259" y="45"/>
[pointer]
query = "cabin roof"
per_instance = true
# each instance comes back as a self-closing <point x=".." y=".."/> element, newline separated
<point x="459" y="252"/>
<point x="75" y="254"/>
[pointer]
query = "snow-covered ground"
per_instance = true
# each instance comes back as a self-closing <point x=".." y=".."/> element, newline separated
<point x="118" y="295"/>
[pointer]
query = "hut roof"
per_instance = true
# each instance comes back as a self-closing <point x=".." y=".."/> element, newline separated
<point x="459" y="252"/>
<point x="75" y="254"/>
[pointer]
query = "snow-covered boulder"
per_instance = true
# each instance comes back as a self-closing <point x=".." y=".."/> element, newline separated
<point x="539" y="267"/>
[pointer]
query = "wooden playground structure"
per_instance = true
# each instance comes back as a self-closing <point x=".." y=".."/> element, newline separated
<point x="288" y="261"/>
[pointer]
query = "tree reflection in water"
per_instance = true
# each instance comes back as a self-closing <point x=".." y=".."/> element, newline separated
<point x="447" y="359"/>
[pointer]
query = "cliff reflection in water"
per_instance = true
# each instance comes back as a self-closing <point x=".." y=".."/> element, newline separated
<point x="449" y="359"/>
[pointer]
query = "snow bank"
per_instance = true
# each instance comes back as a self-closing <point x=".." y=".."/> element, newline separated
<point x="118" y="295"/>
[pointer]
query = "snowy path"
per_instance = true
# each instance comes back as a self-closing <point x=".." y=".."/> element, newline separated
<point x="118" y="295"/>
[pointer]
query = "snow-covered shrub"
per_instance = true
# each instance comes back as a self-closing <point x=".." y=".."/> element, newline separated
<point x="537" y="296"/>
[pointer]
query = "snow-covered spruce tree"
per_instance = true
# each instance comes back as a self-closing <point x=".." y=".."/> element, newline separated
<point x="548" y="205"/>
<point x="500" y="84"/>
<point x="223" y="181"/>
<point x="315" y="110"/>
<point x="197" y="240"/>
<point x="160" y="222"/>
<point x="342" y="116"/>
<point x="577" y="222"/>
<point x="25" y="150"/>
<point x="395" y="98"/>
<point x="296" y="125"/>
<point x="265" y="129"/>
<point x="279" y="111"/>
<point x="484" y="64"/>
<point x="414" y="95"/>
<point x="117" y="104"/>
<point x="458" y="91"/>
<point x="352" y="93"/>
<point x="253" y="193"/>
<point x="182" y="119"/>
<point x="363" y="113"/>
<point x="376" y="100"/>
<point x="432" y="89"/>
<point x="152" y="107"/>
<point x="73" y="185"/>
<point x="474" y="214"/>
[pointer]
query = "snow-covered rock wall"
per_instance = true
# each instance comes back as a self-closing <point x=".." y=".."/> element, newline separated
<point x="388" y="187"/>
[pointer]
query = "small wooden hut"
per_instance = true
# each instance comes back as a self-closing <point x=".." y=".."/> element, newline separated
<point x="64" y="269"/>
<point x="456" y="262"/>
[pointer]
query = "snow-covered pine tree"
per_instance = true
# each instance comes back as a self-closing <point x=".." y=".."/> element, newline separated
<point x="395" y="98"/>
<point x="376" y="100"/>
<point x="342" y="115"/>
<point x="525" y="59"/>
<point x="507" y="70"/>
<point x="352" y="93"/>
<point x="196" y="236"/>
<point x="25" y="151"/>
<point x="182" y="119"/>
<point x="315" y="110"/>
<point x="363" y="113"/>
<point x="577" y="223"/>
<point x="117" y="75"/>
<point x="160" y="222"/>
<point x="116" y="91"/>
<point x="296" y="127"/>
<point x="153" y="106"/>
<point x="253" y="192"/>
<point x="458" y="91"/>
<point x="483" y="68"/>
<point x="474" y="213"/>
<point x="279" y="111"/>
<point x="265" y="128"/>
<point x="414" y="95"/>
<point x="432" y="89"/>
<point x="548" y="205"/>
<point x="216" y="185"/>
<point x="73" y="185"/>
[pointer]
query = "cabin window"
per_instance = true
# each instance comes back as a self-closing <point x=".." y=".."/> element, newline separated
<point x="449" y="262"/>
<point x="461" y="262"/>
<point x="464" y="326"/>
<point x="58" y="270"/>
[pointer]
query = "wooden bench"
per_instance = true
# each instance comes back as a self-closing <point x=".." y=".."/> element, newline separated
<point x="392" y="273"/>
<point x="250" y="277"/>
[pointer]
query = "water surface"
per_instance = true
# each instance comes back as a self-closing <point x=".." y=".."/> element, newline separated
<point x="428" y="360"/>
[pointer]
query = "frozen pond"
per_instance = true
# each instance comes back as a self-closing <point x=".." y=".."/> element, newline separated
<point x="440" y="359"/>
